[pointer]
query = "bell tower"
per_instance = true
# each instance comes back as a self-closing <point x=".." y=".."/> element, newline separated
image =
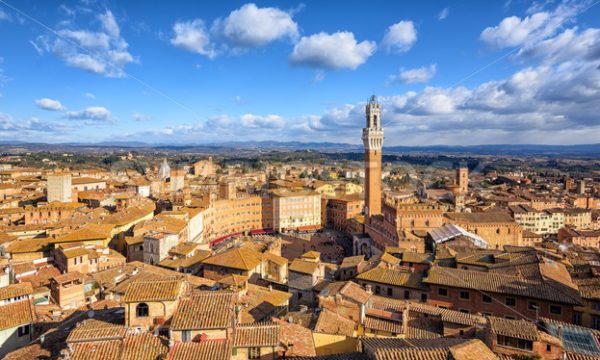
<point x="372" y="137"/>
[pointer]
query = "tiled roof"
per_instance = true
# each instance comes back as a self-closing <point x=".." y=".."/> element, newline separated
<point x="303" y="267"/>
<point x="68" y="277"/>
<point x="144" y="346"/>
<point x="97" y="350"/>
<point x="16" y="314"/>
<point x="15" y="290"/>
<point x="242" y="258"/>
<point x="299" y="336"/>
<point x="204" y="350"/>
<point x="153" y="290"/>
<point x="261" y="302"/>
<point x="472" y="350"/>
<point x="257" y="335"/>
<point x="501" y="283"/>
<point x="330" y="322"/>
<point x="379" y="324"/>
<point x="92" y="330"/>
<point x="411" y="349"/>
<point x="448" y="315"/>
<point x="381" y="274"/>
<point x="205" y="310"/>
<point x="352" y="261"/>
<point x="520" y="329"/>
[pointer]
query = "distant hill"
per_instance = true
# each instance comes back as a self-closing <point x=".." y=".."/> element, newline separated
<point x="228" y="147"/>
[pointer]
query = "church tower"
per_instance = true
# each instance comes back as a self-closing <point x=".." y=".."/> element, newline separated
<point x="462" y="177"/>
<point x="372" y="137"/>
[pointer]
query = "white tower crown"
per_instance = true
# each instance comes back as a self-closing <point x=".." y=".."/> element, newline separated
<point x="373" y="133"/>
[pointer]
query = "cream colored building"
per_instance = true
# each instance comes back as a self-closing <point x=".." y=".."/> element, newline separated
<point x="296" y="210"/>
<point x="538" y="221"/>
<point x="59" y="187"/>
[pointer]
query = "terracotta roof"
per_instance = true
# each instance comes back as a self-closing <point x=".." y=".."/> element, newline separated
<point x="83" y="234"/>
<point x="472" y="350"/>
<point x="205" y="310"/>
<point x="15" y="290"/>
<point x="379" y="324"/>
<point x="501" y="283"/>
<point x="352" y="261"/>
<point x="348" y="289"/>
<point x="410" y="349"/>
<point x="481" y="217"/>
<point x="330" y="322"/>
<point x="93" y="330"/>
<point x="242" y="258"/>
<point x="71" y="253"/>
<point x="261" y="302"/>
<point x="68" y="277"/>
<point x="381" y="274"/>
<point x="204" y="350"/>
<point x="520" y="329"/>
<point x="447" y="315"/>
<point x="16" y="314"/>
<point x="144" y="346"/>
<point x="256" y="335"/>
<point x="303" y="267"/>
<point x="299" y="336"/>
<point x="27" y="245"/>
<point x="153" y="290"/>
<point x="97" y="350"/>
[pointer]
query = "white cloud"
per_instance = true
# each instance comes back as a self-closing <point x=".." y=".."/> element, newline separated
<point x="192" y="36"/>
<point x="332" y="51"/>
<point x="140" y="117"/>
<point x="90" y="95"/>
<point x="93" y="113"/>
<point x="102" y="52"/>
<point x="251" y="26"/>
<point x="515" y="31"/>
<point x="400" y="37"/>
<point x="49" y="104"/>
<point x="413" y="76"/>
<point x="443" y="14"/>
<point x="256" y="121"/>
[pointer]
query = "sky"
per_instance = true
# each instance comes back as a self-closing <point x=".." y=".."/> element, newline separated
<point x="182" y="72"/>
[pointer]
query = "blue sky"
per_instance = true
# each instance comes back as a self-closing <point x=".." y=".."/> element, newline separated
<point x="471" y="72"/>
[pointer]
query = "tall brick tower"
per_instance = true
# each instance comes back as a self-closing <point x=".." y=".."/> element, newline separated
<point x="372" y="137"/>
<point x="462" y="177"/>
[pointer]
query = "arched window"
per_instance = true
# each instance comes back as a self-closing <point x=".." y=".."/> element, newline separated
<point x="141" y="310"/>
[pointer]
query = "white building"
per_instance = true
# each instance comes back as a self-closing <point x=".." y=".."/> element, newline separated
<point x="157" y="246"/>
<point x="16" y="317"/>
<point x="59" y="187"/>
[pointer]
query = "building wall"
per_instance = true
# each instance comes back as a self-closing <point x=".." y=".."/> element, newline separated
<point x="157" y="310"/>
<point x="296" y="210"/>
<point x="59" y="188"/>
<point x="10" y="339"/>
<point x="498" y="305"/>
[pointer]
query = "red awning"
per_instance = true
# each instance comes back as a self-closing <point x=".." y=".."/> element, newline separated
<point x="309" y="228"/>
<point x="223" y="238"/>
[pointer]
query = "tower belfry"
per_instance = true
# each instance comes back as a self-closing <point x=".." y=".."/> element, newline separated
<point x="372" y="137"/>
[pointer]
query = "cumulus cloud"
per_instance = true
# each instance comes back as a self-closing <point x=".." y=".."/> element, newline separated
<point x="339" y="50"/>
<point x="92" y="113"/>
<point x="29" y="129"/>
<point x="193" y="36"/>
<point x="414" y="76"/>
<point x="515" y="31"/>
<point x="256" y="121"/>
<point x="49" y="104"/>
<point x="400" y="37"/>
<point x="251" y="26"/>
<point x="103" y="51"/>
<point x="443" y="14"/>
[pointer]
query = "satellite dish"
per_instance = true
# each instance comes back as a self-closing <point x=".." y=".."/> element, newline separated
<point x="90" y="314"/>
